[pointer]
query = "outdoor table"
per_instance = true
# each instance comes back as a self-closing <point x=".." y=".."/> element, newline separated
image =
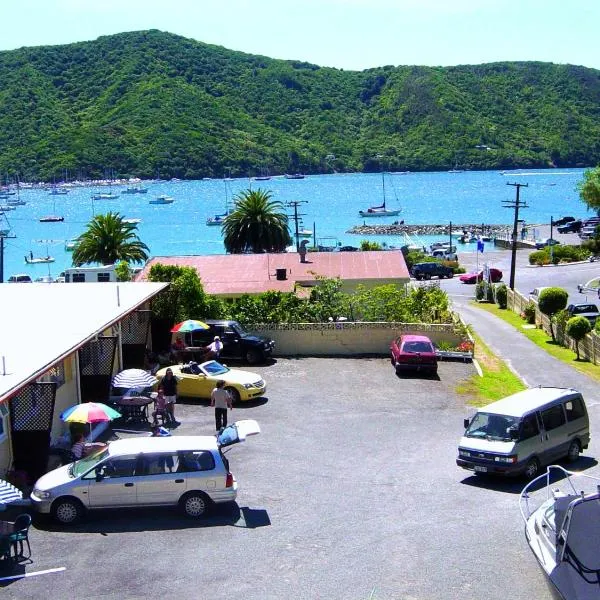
<point x="135" y="408"/>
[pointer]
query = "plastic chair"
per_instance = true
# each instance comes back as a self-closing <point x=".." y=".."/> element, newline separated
<point x="21" y="534"/>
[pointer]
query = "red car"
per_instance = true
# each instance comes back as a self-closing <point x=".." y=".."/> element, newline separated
<point x="495" y="276"/>
<point x="413" y="353"/>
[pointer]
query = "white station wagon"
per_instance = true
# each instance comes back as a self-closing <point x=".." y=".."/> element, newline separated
<point x="186" y="471"/>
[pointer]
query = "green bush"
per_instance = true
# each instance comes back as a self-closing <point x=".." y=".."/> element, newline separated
<point x="565" y="254"/>
<point x="502" y="295"/>
<point x="529" y="312"/>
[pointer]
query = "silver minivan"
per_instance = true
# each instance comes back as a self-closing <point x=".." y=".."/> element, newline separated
<point x="520" y="433"/>
<point x="186" y="471"/>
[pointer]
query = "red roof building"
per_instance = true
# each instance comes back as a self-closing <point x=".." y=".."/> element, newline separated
<point x="232" y="275"/>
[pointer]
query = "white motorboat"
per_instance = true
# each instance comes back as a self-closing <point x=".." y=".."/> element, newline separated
<point x="162" y="199"/>
<point x="563" y="531"/>
<point x="381" y="210"/>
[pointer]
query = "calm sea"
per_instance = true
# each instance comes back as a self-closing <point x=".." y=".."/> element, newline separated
<point x="330" y="203"/>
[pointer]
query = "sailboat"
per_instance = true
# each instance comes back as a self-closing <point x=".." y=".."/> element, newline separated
<point x="381" y="210"/>
<point x="219" y="219"/>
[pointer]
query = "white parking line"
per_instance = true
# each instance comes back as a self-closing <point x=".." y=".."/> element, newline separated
<point x="33" y="574"/>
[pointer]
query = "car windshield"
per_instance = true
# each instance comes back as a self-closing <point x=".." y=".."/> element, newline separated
<point x="79" y="467"/>
<point x="214" y="368"/>
<point x="492" y="427"/>
<point x="416" y="346"/>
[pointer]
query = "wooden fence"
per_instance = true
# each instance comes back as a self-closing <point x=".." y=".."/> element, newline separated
<point x="589" y="347"/>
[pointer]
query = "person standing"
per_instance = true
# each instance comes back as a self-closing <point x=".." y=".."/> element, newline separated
<point x="169" y="385"/>
<point x="220" y="398"/>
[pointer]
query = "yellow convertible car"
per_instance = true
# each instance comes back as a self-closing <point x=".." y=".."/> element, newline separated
<point x="198" y="380"/>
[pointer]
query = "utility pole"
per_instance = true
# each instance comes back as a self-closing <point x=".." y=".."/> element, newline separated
<point x="516" y="204"/>
<point x="297" y="219"/>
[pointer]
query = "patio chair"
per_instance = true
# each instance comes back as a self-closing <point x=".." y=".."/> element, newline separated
<point x="21" y="534"/>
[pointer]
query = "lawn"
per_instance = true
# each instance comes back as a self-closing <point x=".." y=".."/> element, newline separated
<point x="541" y="339"/>
<point x="498" y="381"/>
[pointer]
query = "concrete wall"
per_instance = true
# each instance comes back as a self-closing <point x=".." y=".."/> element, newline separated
<point x="346" y="338"/>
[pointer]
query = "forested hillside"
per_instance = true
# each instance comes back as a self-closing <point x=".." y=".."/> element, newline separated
<point x="150" y="102"/>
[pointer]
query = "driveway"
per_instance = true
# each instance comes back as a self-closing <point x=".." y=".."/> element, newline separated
<point x="350" y="492"/>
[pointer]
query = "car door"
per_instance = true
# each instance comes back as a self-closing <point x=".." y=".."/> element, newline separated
<point x="159" y="481"/>
<point x="113" y="483"/>
<point x="556" y="439"/>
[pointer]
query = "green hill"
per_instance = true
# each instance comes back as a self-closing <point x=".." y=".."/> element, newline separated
<point x="146" y="102"/>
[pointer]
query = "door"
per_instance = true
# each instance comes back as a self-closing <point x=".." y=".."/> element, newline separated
<point x="556" y="438"/>
<point x="160" y="480"/>
<point x="116" y="484"/>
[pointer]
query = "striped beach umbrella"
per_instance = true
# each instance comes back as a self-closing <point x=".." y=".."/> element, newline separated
<point x="190" y="325"/>
<point x="9" y="493"/>
<point x="133" y="378"/>
<point x="89" y="412"/>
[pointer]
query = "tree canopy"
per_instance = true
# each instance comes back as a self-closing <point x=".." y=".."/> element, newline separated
<point x="144" y="102"/>
<point x="107" y="240"/>
<point x="258" y="224"/>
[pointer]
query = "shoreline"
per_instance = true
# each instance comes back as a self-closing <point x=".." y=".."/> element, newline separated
<point x="436" y="229"/>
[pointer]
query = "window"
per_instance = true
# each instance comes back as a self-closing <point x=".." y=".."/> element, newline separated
<point x="574" y="409"/>
<point x="119" y="467"/>
<point x="3" y="420"/>
<point x="103" y="277"/>
<point x="158" y="464"/>
<point x="529" y="427"/>
<point x="196" y="461"/>
<point x="553" y="417"/>
<point x="78" y="277"/>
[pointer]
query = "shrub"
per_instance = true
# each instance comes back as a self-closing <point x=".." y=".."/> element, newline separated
<point x="577" y="328"/>
<point x="552" y="300"/>
<point x="502" y="295"/>
<point x="529" y="312"/>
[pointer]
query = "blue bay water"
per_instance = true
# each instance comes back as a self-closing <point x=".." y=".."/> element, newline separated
<point x="331" y="205"/>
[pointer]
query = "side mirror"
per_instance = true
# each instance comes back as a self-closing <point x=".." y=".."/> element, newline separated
<point x="466" y="423"/>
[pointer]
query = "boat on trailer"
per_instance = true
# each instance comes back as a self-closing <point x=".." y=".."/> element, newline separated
<point x="563" y="531"/>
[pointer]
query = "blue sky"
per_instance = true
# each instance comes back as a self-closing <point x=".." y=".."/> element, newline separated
<point x="348" y="34"/>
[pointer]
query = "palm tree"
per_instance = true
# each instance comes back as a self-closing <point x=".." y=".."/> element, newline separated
<point x="258" y="224"/>
<point x="107" y="240"/>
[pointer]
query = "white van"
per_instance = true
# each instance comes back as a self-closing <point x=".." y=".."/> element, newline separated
<point x="519" y="434"/>
<point x="186" y="471"/>
<point x="90" y="274"/>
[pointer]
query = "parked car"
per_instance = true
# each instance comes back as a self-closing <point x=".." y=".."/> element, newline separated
<point x="237" y="343"/>
<point x="539" y="244"/>
<point x="592" y="285"/>
<point x="571" y="227"/>
<point x="186" y="471"/>
<point x="413" y="353"/>
<point x="495" y="276"/>
<point x="427" y="270"/>
<point x="198" y="381"/>
<point x="589" y="311"/>
<point x="20" y="278"/>
<point x="534" y="294"/>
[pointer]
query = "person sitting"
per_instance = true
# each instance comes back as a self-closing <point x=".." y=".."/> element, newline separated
<point x="213" y="350"/>
<point x="81" y="448"/>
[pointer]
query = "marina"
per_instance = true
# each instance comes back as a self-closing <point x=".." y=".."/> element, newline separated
<point x="430" y="201"/>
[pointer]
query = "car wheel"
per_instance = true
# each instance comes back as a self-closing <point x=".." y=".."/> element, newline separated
<point x="194" y="505"/>
<point x="67" y="511"/>
<point x="253" y="356"/>
<point x="574" y="450"/>
<point x="532" y="468"/>
<point x="235" y="395"/>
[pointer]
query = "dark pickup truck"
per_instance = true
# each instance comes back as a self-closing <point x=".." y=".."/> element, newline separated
<point x="237" y="343"/>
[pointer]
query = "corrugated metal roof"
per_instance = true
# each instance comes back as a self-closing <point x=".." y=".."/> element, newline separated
<point x="232" y="274"/>
<point x="41" y="322"/>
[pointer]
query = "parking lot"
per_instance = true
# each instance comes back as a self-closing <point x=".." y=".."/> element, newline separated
<point x="350" y="492"/>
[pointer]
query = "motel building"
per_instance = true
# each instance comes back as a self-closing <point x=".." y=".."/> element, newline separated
<point x="60" y="345"/>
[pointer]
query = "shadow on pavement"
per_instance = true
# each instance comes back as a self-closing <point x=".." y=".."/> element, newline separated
<point x="125" y="520"/>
